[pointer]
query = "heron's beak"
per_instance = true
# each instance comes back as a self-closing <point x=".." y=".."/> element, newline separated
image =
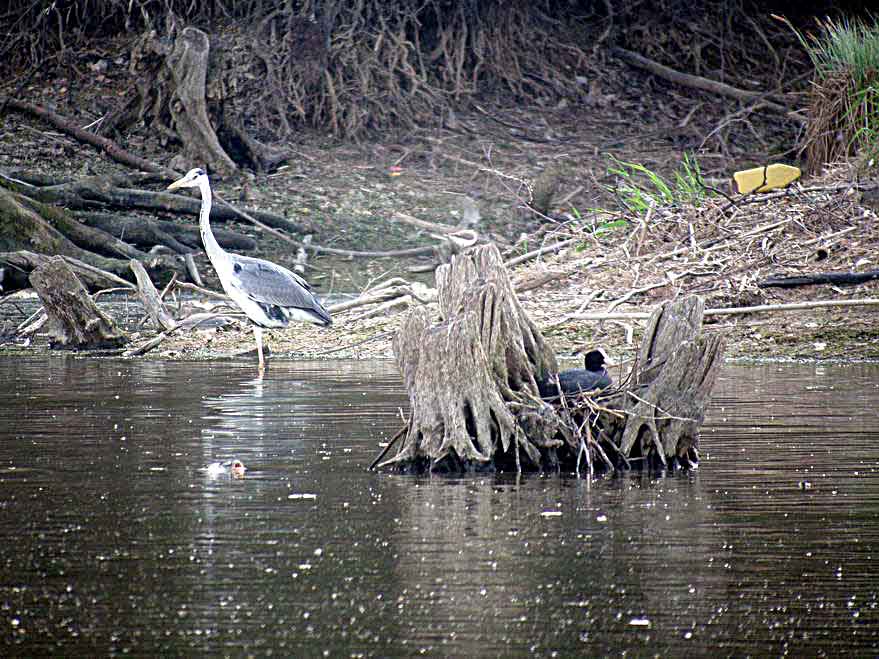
<point x="176" y="184"/>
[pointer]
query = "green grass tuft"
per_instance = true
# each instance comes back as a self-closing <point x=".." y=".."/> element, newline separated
<point x="844" y="102"/>
<point x="847" y="45"/>
<point x="638" y="188"/>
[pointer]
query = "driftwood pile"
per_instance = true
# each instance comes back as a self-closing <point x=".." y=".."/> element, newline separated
<point x="472" y="383"/>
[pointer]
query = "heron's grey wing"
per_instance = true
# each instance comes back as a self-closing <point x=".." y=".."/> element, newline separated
<point x="267" y="283"/>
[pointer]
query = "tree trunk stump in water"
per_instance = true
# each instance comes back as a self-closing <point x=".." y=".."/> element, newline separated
<point x="471" y="378"/>
<point x="664" y="404"/>
<point x="75" y="321"/>
<point x="472" y="383"/>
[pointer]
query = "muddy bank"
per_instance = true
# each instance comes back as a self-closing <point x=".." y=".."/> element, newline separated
<point x="724" y="250"/>
<point x="482" y="170"/>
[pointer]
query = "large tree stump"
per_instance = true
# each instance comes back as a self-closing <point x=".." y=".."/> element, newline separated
<point x="472" y="383"/>
<point x="187" y="89"/>
<point x="664" y="404"/>
<point x="471" y="378"/>
<point x="188" y="64"/>
<point x="75" y="321"/>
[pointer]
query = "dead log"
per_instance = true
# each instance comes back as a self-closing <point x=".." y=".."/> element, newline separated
<point x="18" y="265"/>
<point x="819" y="278"/>
<point x="146" y="233"/>
<point x="97" y="193"/>
<point x="109" y="147"/>
<point x="698" y="82"/>
<point x="150" y="299"/>
<point x="137" y="231"/>
<point x="27" y="225"/>
<point x="472" y="383"/>
<point x="92" y="239"/>
<point x="75" y="321"/>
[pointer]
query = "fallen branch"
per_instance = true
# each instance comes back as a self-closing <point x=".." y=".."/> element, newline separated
<point x="368" y="339"/>
<point x="203" y="291"/>
<point x="731" y="311"/>
<point x="418" y="291"/>
<point x="402" y="301"/>
<point x="434" y="227"/>
<point x="113" y="150"/>
<point x="819" y="278"/>
<point x="548" y="249"/>
<point x="538" y="279"/>
<point x="147" y="232"/>
<point x="149" y="296"/>
<point x="698" y="82"/>
<point x="188" y="323"/>
<point x="632" y="293"/>
<point x="94" y="277"/>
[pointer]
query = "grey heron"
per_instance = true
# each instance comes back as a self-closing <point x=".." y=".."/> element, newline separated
<point x="574" y="380"/>
<point x="269" y="294"/>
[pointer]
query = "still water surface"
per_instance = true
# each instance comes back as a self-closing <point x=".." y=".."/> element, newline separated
<point x="115" y="539"/>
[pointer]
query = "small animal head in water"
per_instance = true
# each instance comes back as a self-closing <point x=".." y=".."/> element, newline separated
<point x="234" y="468"/>
<point x="237" y="469"/>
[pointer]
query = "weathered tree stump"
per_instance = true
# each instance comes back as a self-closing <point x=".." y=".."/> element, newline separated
<point x="187" y="90"/>
<point x="75" y="321"/>
<point x="188" y="65"/>
<point x="664" y="402"/>
<point x="472" y="383"/>
<point x="471" y="378"/>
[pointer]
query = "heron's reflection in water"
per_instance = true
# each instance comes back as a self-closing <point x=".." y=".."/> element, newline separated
<point x="254" y="414"/>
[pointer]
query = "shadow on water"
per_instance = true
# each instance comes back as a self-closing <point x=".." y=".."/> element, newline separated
<point x="115" y="539"/>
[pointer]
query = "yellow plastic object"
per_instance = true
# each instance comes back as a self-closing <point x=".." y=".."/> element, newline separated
<point x="763" y="179"/>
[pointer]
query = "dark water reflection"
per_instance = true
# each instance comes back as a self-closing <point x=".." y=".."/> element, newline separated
<point x="113" y="538"/>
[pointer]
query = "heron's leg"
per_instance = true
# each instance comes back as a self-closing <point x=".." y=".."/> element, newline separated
<point x="257" y="334"/>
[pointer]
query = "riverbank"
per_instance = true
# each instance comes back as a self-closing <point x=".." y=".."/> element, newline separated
<point x="724" y="249"/>
<point x="480" y="171"/>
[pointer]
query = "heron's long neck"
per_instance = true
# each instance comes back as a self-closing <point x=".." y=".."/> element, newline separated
<point x="212" y="247"/>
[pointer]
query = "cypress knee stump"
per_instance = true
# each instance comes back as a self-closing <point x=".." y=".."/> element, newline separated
<point x="472" y="384"/>
<point x="74" y="320"/>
